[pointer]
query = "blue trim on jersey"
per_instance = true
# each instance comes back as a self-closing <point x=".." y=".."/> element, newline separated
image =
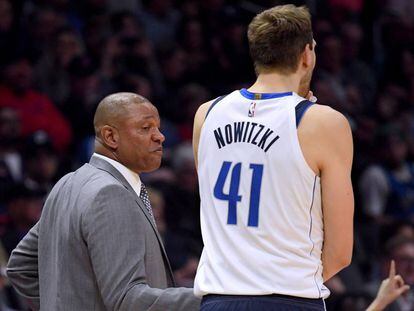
<point x="258" y="96"/>
<point x="310" y="235"/>
<point x="300" y="110"/>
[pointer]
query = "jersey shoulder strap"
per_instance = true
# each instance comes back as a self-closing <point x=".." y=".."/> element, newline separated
<point x="300" y="110"/>
<point x="218" y="99"/>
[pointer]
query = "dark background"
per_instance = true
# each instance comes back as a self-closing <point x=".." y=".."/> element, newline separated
<point x="59" y="58"/>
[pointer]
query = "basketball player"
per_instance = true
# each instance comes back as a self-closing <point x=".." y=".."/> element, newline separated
<point x="274" y="173"/>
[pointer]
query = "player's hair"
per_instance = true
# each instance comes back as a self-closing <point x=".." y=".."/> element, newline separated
<point x="278" y="36"/>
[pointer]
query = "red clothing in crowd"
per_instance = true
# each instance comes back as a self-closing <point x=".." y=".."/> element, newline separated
<point x="37" y="112"/>
<point x="350" y="5"/>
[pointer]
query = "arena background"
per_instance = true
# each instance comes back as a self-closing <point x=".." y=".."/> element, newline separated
<point x="58" y="58"/>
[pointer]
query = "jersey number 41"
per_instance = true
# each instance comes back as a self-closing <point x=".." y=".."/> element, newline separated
<point x="233" y="196"/>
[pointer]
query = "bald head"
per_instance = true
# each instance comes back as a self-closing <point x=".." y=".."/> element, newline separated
<point x="127" y="128"/>
<point x="114" y="108"/>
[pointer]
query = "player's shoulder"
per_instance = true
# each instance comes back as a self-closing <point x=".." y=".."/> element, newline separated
<point x="326" y="119"/>
<point x="204" y="107"/>
<point x="201" y="112"/>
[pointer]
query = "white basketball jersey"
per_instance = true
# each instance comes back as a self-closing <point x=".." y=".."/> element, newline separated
<point x="261" y="215"/>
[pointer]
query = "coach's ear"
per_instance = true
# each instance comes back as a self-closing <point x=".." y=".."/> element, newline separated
<point x="109" y="136"/>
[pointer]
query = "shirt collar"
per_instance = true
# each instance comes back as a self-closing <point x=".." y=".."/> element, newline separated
<point x="256" y="96"/>
<point x="131" y="177"/>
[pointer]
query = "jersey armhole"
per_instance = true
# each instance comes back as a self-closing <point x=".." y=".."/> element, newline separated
<point x="214" y="103"/>
<point x="300" y="110"/>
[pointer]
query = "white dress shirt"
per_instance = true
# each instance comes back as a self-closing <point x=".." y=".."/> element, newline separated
<point x="131" y="177"/>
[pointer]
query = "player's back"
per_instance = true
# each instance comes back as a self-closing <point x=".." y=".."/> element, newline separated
<point x="261" y="215"/>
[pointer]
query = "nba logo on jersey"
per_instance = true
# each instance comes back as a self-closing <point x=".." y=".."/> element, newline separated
<point x="252" y="109"/>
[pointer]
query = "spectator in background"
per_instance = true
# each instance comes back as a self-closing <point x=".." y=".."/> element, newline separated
<point x="189" y="9"/>
<point x="357" y="71"/>
<point x="9" y="37"/>
<point x="11" y="167"/>
<point x="174" y="69"/>
<point x="189" y="98"/>
<point x="401" y="250"/>
<point x="404" y="9"/>
<point x="136" y="83"/>
<point x="95" y="33"/>
<point x="10" y="139"/>
<point x="24" y="206"/>
<point x="236" y="61"/>
<point x="183" y="257"/>
<point x="138" y="57"/>
<point x="387" y="189"/>
<point x="51" y="71"/>
<point x="44" y="22"/>
<point x="407" y="66"/>
<point x="35" y="109"/>
<point x="184" y="198"/>
<point x="94" y="8"/>
<point x="126" y="25"/>
<point x="158" y="210"/>
<point x="86" y="86"/>
<point x="124" y="5"/>
<point x="191" y="36"/>
<point x="160" y="21"/>
<point x="331" y="68"/>
<point x="212" y="16"/>
<point x="342" y="7"/>
<point x="41" y="162"/>
<point x="391" y="289"/>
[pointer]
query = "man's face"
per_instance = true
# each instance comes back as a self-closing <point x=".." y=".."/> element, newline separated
<point x="396" y="151"/>
<point x="404" y="261"/>
<point x="42" y="166"/>
<point x="9" y="127"/>
<point x="19" y="75"/>
<point x="140" y="139"/>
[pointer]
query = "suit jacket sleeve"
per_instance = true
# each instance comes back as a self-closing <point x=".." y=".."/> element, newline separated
<point x="114" y="230"/>
<point x="22" y="268"/>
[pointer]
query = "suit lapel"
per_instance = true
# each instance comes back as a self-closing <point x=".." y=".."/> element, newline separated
<point x="107" y="167"/>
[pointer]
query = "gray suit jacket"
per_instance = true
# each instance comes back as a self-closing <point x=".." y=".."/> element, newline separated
<point x="95" y="248"/>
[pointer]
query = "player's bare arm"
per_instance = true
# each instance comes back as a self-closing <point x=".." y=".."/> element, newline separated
<point x="198" y="124"/>
<point x="326" y="140"/>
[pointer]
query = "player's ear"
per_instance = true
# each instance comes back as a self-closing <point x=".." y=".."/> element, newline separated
<point x="307" y="56"/>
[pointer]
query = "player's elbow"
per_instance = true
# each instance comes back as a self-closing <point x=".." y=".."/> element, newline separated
<point x="343" y="259"/>
<point x="336" y="259"/>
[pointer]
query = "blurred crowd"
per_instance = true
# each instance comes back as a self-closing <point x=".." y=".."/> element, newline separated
<point x="59" y="58"/>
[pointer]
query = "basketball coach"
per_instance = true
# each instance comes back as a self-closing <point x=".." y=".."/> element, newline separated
<point x="96" y="245"/>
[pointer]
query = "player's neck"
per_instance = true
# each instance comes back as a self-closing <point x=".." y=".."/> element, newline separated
<point x="275" y="83"/>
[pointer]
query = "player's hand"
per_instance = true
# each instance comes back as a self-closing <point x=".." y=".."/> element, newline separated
<point x="311" y="97"/>
<point x="391" y="288"/>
